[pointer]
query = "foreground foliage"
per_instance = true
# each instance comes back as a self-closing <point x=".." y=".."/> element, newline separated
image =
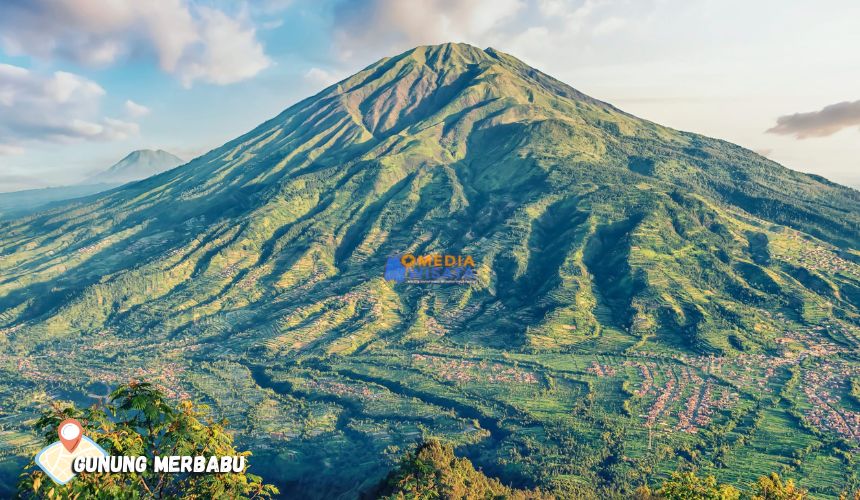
<point x="432" y="471"/>
<point x="140" y="421"/>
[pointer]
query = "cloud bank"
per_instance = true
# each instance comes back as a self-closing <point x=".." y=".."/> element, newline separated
<point x="383" y="24"/>
<point x="135" y="110"/>
<point x="550" y="29"/>
<point x="189" y="41"/>
<point x="822" y="123"/>
<point x="59" y="107"/>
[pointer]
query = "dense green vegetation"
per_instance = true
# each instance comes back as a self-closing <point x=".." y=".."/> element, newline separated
<point x="434" y="471"/>
<point x="648" y="300"/>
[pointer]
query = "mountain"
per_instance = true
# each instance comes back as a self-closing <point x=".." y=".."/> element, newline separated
<point x="646" y="298"/>
<point x="137" y="165"/>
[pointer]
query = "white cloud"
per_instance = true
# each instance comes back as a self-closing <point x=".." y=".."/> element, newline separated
<point x="273" y="24"/>
<point x="117" y="130"/>
<point x="552" y="8"/>
<point x="9" y="150"/>
<point x="271" y="6"/>
<point x="230" y="51"/>
<point x="549" y="34"/>
<point x="822" y="123"/>
<point x="193" y="42"/>
<point x="398" y="24"/>
<point x="65" y="86"/>
<point x="609" y="26"/>
<point x="135" y="110"/>
<point x="320" y="77"/>
<point x="57" y="107"/>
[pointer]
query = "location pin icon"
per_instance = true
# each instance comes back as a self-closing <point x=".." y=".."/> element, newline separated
<point x="70" y="432"/>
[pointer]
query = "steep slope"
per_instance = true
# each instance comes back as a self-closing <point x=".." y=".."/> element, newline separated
<point x="595" y="232"/>
<point x="137" y="165"/>
<point x="454" y="149"/>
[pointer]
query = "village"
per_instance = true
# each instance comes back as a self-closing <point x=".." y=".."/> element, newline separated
<point x="471" y="371"/>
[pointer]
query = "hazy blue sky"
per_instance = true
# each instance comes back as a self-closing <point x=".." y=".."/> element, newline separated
<point x="83" y="82"/>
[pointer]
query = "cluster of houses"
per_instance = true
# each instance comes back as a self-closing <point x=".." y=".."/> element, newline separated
<point x="647" y="384"/>
<point x="668" y="384"/>
<point x="463" y="370"/>
<point x="821" y="388"/>
<point x="818" y="257"/>
<point x="229" y="271"/>
<point x="250" y="279"/>
<point x="95" y="247"/>
<point x="339" y="388"/>
<point x="601" y="370"/>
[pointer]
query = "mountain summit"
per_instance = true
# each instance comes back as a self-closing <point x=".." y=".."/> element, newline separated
<point x="137" y="165"/>
<point x="595" y="233"/>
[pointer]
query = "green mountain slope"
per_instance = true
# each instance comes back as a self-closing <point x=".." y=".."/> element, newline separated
<point x="604" y="243"/>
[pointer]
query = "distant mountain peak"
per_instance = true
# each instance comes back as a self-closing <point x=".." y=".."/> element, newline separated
<point x="147" y="152"/>
<point x="138" y="164"/>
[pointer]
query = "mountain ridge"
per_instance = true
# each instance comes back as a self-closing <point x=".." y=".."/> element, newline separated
<point x="385" y="162"/>
<point x="599" y="237"/>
